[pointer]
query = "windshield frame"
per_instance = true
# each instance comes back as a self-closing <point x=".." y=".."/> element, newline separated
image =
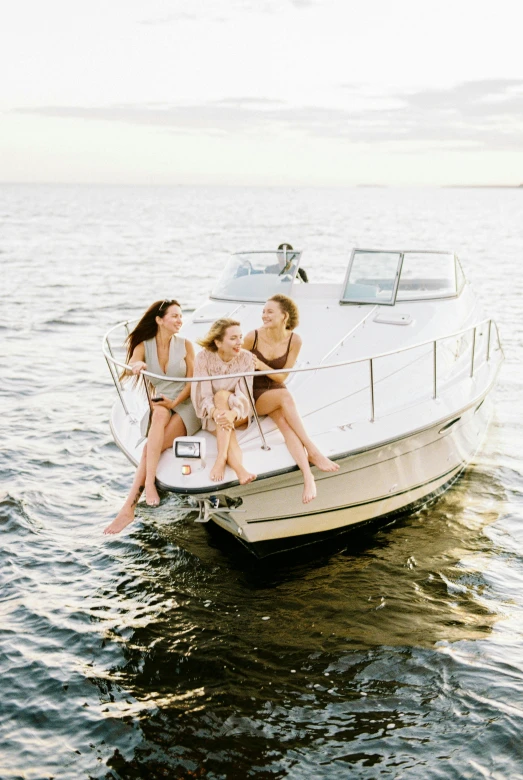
<point x="459" y="278"/>
<point x="344" y="301"/>
<point x="295" y="259"/>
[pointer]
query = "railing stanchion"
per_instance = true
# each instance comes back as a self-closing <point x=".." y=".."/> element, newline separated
<point x="488" y="339"/>
<point x="435" y="373"/>
<point x="112" y="355"/>
<point x="149" y="402"/>
<point x="265" y="446"/>
<point x="473" y="351"/>
<point x="117" y="385"/>
<point x="371" y="390"/>
<point x="147" y="393"/>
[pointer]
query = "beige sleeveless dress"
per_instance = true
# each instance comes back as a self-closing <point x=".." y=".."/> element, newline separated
<point x="176" y="366"/>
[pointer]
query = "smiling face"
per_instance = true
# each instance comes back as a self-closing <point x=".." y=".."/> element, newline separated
<point x="172" y="319"/>
<point x="273" y="315"/>
<point x="231" y="343"/>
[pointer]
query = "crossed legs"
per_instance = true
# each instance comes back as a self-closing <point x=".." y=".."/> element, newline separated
<point x="174" y="428"/>
<point x="228" y="448"/>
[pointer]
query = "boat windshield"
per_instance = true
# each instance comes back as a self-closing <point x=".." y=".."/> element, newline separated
<point x="255" y="276"/>
<point x="372" y="277"/>
<point x="427" y="275"/>
<point x="387" y="277"/>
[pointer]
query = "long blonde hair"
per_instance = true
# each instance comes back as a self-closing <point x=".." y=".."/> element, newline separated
<point x="216" y="333"/>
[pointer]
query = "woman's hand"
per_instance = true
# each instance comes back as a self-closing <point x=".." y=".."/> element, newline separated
<point x="225" y="418"/>
<point x="165" y="402"/>
<point x="138" y="366"/>
<point x="259" y="365"/>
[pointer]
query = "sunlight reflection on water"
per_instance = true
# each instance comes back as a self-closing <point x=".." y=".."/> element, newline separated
<point x="396" y="653"/>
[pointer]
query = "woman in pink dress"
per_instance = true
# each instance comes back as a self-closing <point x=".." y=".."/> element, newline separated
<point x="222" y="404"/>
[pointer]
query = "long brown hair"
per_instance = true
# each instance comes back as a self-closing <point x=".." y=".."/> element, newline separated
<point x="147" y="328"/>
<point x="216" y="333"/>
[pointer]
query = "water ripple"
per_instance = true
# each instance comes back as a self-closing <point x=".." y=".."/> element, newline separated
<point x="168" y="652"/>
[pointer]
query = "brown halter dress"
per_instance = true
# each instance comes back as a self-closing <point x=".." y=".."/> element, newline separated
<point x="263" y="383"/>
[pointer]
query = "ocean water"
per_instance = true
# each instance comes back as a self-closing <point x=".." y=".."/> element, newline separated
<point x="167" y="651"/>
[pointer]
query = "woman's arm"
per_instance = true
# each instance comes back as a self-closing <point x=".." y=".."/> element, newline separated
<point x="202" y="393"/>
<point x="189" y="363"/>
<point x="248" y="341"/>
<point x="238" y="400"/>
<point x="137" y="359"/>
<point x="289" y="363"/>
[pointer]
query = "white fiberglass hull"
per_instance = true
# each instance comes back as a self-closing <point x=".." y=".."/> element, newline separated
<point x="369" y="485"/>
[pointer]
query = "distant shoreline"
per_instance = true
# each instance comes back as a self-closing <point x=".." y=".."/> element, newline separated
<point x="218" y="185"/>
<point x="484" y="186"/>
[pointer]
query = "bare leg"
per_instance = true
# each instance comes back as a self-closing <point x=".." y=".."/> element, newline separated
<point x="273" y="400"/>
<point x="315" y="456"/>
<point x="223" y="437"/>
<point x="126" y="513"/>
<point x="160" y="419"/>
<point x="299" y="454"/>
<point x="174" y="428"/>
<point x="235" y="461"/>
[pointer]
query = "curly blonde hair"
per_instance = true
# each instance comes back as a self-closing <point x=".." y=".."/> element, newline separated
<point x="288" y="307"/>
<point x="216" y="333"/>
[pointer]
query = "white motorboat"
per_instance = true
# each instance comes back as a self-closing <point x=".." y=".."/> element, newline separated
<point x="394" y="383"/>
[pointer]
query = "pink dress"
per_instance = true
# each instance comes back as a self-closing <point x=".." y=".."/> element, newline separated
<point x="209" y="363"/>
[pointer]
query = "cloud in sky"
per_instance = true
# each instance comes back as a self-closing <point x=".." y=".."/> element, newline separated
<point x="257" y="91"/>
<point x="483" y="114"/>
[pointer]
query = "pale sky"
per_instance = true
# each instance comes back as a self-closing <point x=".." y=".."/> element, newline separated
<point x="278" y="92"/>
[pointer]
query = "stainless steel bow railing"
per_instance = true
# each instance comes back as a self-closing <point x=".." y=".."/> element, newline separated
<point x="112" y="362"/>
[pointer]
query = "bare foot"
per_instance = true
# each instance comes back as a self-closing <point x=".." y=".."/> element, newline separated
<point x="322" y="462"/>
<point x="245" y="476"/>
<point x="122" y="519"/>
<point x="309" y="489"/>
<point x="218" y="471"/>
<point x="151" y="495"/>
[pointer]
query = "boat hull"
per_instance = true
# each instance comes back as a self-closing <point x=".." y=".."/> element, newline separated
<point x="376" y="484"/>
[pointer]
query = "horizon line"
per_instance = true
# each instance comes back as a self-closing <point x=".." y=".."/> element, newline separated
<point x="364" y="185"/>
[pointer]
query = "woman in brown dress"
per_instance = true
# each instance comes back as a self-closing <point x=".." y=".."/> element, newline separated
<point x="275" y="345"/>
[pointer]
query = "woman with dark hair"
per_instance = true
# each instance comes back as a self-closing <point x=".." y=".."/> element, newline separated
<point x="275" y="345"/>
<point x="222" y="404"/>
<point x="154" y="346"/>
